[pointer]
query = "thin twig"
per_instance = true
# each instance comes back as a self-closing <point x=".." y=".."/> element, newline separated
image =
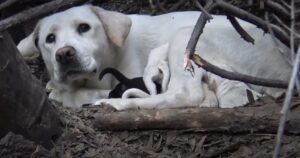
<point x="242" y="14"/>
<point x="280" y="50"/>
<point x="160" y="6"/>
<point x="197" y="31"/>
<point x="277" y="8"/>
<point x="7" y="3"/>
<point x="35" y="12"/>
<point x="202" y="9"/>
<point x="286" y="105"/>
<point x="237" y="76"/>
<point x="239" y="29"/>
<point x="281" y="23"/>
<point x="290" y="92"/>
<point x="177" y="5"/>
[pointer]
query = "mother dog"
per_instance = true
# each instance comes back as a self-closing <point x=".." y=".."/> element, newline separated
<point x="78" y="43"/>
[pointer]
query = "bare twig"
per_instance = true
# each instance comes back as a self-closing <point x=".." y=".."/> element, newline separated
<point x="280" y="50"/>
<point x="177" y="5"/>
<point x="242" y="14"/>
<point x="160" y="6"/>
<point x="277" y="8"/>
<point x="7" y="3"/>
<point x="202" y="9"/>
<point x="197" y="31"/>
<point x="237" y="76"/>
<point x="35" y="12"/>
<point x="239" y="29"/>
<point x="286" y="105"/>
<point x="281" y="23"/>
<point x="290" y="92"/>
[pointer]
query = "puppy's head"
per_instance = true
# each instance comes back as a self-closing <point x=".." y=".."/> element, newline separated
<point x="76" y="44"/>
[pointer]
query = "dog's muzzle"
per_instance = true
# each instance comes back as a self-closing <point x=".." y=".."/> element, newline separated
<point x="70" y="66"/>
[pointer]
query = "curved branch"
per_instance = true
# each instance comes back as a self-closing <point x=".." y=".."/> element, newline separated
<point x="237" y="76"/>
<point x="35" y="12"/>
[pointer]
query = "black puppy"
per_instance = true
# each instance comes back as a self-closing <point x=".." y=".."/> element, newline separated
<point x="125" y="83"/>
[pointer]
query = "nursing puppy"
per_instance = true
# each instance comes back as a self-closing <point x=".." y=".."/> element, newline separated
<point x="77" y="44"/>
<point x="136" y="86"/>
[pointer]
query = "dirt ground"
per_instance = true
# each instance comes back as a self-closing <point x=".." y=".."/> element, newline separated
<point x="81" y="140"/>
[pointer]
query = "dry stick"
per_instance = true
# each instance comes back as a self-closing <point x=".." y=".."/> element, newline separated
<point x="279" y="49"/>
<point x="237" y="76"/>
<point x="260" y="119"/>
<point x="202" y="9"/>
<point x="277" y="8"/>
<point x="281" y="23"/>
<point x="177" y="5"/>
<point x="242" y="14"/>
<point x="286" y="105"/>
<point x="239" y="29"/>
<point x="7" y="3"/>
<point x="197" y="31"/>
<point x="35" y="12"/>
<point x="160" y="6"/>
<point x="288" y="97"/>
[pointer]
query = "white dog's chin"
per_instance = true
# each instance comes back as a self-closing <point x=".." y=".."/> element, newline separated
<point x="76" y="74"/>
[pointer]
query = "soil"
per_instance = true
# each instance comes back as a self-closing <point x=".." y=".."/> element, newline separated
<point x="81" y="140"/>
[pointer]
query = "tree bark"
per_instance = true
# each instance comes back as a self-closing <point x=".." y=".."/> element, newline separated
<point x="261" y="119"/>
<point x="24" y="107"/>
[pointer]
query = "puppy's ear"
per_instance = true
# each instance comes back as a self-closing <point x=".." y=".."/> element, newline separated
<point x="28" y="47"/>
<point x="116" y="25"/>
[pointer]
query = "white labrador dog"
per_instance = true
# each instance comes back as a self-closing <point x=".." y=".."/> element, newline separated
<point x="78" y="43"/>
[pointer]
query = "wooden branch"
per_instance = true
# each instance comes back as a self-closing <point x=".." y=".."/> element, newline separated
<point x="261" y="119"/>
<point x="197" y="31"/>
<point x="277" y="8"/>
<point x="24" y="107"/>
<point x="36" y="12"/>
<point x="237" y="76"/>
<point x="239" y="29"/>
<point x="242" y="14"/>
<point x="7" y="3"/>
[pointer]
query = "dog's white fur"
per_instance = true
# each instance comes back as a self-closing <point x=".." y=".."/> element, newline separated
<point x="115" y="40"/>
<point x="221" y="45"/>
<point x="125" y="41"/>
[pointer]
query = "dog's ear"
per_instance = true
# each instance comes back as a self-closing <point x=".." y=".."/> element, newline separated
<point x="116" y="25"/>
<point x="28" y="47"/>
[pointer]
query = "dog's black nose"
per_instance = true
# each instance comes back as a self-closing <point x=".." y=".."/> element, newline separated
<point x="65" y="55"/>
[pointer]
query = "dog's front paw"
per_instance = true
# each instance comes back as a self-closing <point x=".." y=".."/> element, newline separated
<point x="112" y="103"/>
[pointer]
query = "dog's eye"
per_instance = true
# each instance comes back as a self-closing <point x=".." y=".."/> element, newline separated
<point x="83" y="27"/>
<point x="50" y="38"/>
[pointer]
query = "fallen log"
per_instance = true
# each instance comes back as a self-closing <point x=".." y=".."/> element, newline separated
<point x="24" y="107"/>
<point x="261" y="119"/>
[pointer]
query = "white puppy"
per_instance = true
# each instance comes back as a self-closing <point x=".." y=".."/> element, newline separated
<point x="221" y="45"/>
<point x="78" y="43"/>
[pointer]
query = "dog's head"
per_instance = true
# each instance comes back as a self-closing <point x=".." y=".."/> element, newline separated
<point x="76" y="44"/>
